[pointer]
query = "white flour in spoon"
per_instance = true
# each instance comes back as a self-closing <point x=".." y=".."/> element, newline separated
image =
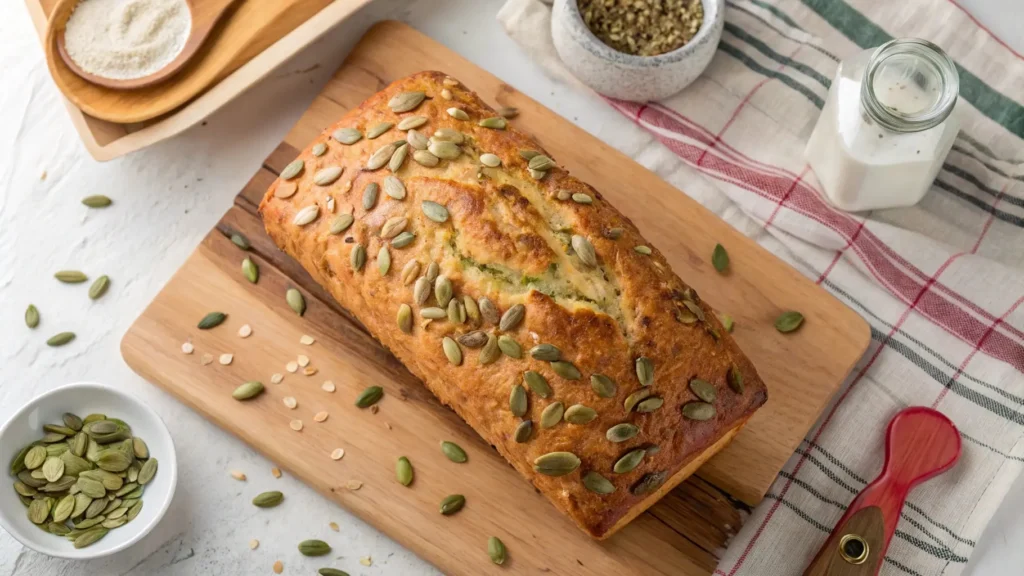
<point x="126" y="39"/>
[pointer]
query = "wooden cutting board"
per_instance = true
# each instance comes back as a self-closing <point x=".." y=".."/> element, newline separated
<point x="679" y="535"/>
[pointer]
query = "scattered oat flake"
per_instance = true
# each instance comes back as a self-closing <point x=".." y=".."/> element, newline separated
<point x="276" y="378"/>
<point x="328" y="386"/>
<point x="334" y="526"/>
<point x="278" y="567"/>
<point x="254" y="544"/>
<point x="245" y="331"/>
<point x="320" y="416"/>
<point x="303" y="360"/>
<point x="388" y="426"/>
<point x="238" y="475"/>
<point x="307" y="340"/>
<point x="309" y="371"/>
<point x="353" y="485"/>
<point x="187" y="348"/>
<point x="290" y="402"/>
<point x="276" y="472"/>
<point x="206" y="360"/>
<point x="226" y="359"/>
<point x="295" y="425"/>
<point x="374" y="409"/>
<point x="291" y="366"/>
<point x="338" y="454"/>
<point x="366" y="560"/>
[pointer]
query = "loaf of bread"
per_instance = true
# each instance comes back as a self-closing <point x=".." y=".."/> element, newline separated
<point x="521" y="298"/>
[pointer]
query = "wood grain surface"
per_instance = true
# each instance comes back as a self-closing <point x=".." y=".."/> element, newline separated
<point x="679" y="535"/>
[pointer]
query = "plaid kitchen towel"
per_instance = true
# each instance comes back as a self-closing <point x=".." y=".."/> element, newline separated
<point x="941" y="283"/>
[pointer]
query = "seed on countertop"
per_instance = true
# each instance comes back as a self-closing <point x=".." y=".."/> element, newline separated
<point x="321" y="416"/>
<point x="496" y="550"/>
<point x="552" y="414"/>
<point x="452" y="504"/>
<point x="369" y="396"/>
<point x="509" y="347"/>
<point x="245" y="331"/>
<point x="458" y="113"/>
<point x="453" y="452"/>
<point x="248" y="390"/>
<point x="698" y="411"/>
<point x="495" y="123"/>
<point x="292" y="367"/>
<point x="629" y="461"/>
<point x="537" y="383"/>
<point x="250" y="270"/>
<point x="278" y="567"/>
<point x="70" y="276"/>
<point x="307" y="215"/>
<point x="225" y="359"/>
<point x="789" y="321"/>
<point x="295" y="301"/>
<point x="31" y="316"/>
<point x="97" y="201"/>
<point x="452" y="351"/>
<point x="290" y="402"/>
<point x="566" y="370"/>
<point x="237" y="475"/>
<point x="60" y="339"/>
<point x="490" y="160"/>
<point x="206" y="359"/>
<point x="295" y="425"/>
<point x="403" y="471"/>
<point x="337" y="454"/>
<point x="556" y="463"/>
<point x="405" y="101"/>
<point x="268" y="499"/>
<point x="293" y="169"/>
<point x="211" y="320"/>
<point x="314" y="548"/>
<point x="720" y="258"/>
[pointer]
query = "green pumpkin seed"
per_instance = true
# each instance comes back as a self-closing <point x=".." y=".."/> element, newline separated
<point x="472" y="312"/>
<point x="295" y="301"/>
<point x="331" y="572"/>
<point x="421" y="290"/>
<point x="538" y="383"/>
<point x="581" y="198"/>
<point x="113" y="460"/>
<point x="381" y="156"/>
<point x="393" y="227"/>
<point x="496" y="550"/>
<point x="645" y="250"/>
<point x="31" y="316"/>
<point x="71" y="421"/>
<point x="704" y="390"/>
<point x="58" y="429"/>
<point x="458" y="113"/>
<point x="370" y="396"/>
<point x="121" y="520"/>
<point x="147" y="472"/>
<point x="556" y="463"/>
<point x="645" y="371"/>
<point x="93" y="489"/>
<point x="433" y="313"/>
<point x="101" y="427"/>
<point x="456" y="313"/>
<point x="789" y="321"/>
<point x="18" y="462"/>
<point x="347" y="136"/>
<point x="60" y="339"/>
<point x="319" y="149"/>
<point x="528" y="154"/>
<point x="79" y="444"/>
<point x="452" y="351"/>
<point x="435" y="211"/>
<point x="474" y="339"/>
<point x="635" y="398"/>
<point x="97" y="201"/>
<point x="126" y="489"/>
<point x="327" y="176"/>
<point x="488" y="311"/>
<point x="579" y="414"/>
<point x="64" y="483"/>
<point x="490" y="352"/>
<point x="523" y="431"/>
<point x="378" y="129"/>
<point x="51" y="437"/>
<point x="398" y="158"/>
<point x="597" y="483"/>
<point x="727" y="322"/>
<point x="238" y="239"/>
<point x="70" y="276"/>
<point x="111" y="506"/>
<point x="24" y="489"/>
<point x="293" y="169"/>
<point x="250" y="270"/>
<point x="735" y="379"/>
<point x="552" y="415"/>
<point x="90" y="537"/>
<point x="99" y="287"/>
<point x="720" y="258"/>
<point x="512" y="317"/>
<point x="341" y="223"/>
<point x="134" y="510"/>
<point x="603" y="386"/>
<point x="614" y="233"/>
<point x="566" y="370"/>
<point x="495" y="123"/>
<point x="649" y="483"/>
<point x="357" y="257"/>
<point x="444" y="149"/>
<point x="38" y="511"/>
<point x="425" y="158"/>
<point x="698" y="411"/>
<point x="517" y="401"/>
<point x="545" y="353"/>
<point x="314" y="548"/>
<point x="403" y="240"/>
<point x="584" y="250"/>
<point x="490" y="160"/>
<point x="410" y="122"/>
<point x="35" y="457"/>
<point x="410" y="271"/>
<point x="622" y="432"/>
<point x="58" y="529"/>
<point x="212" y="320"/>
<point x="629" y="462"/>
<point x="650" y="405"/>
<point x="509" y="347"/>
<point x="53" y="469"/>
<point x="82" y="503"/>
<point x="417" y="141"/>
<point x="443" y="290"/>
<point x="449" y="135"/>
<point x="406" y="101"/>
<point x="248" y="390"/>
<point x="96" y="517"/>
<point x="268" y="499"/>
<point x="541" y="162"/>
<point x="307" y="215"/>
<point x="405" y="318"/>
<point x="454" y="452"/>
<point x="403" y="471"/>
<point x="452" y="504"/>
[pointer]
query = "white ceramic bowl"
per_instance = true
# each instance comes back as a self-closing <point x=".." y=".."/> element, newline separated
<point x="84" y="398"/>
<point x="627" y="77"/>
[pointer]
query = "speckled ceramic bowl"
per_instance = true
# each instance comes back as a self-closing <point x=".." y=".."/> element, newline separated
<point x="627" y="77"/>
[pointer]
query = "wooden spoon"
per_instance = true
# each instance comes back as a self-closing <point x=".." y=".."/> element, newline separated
<point x="205" y="16"/>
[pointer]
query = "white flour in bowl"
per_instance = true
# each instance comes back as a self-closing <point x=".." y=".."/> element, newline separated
<point x="126" y="39"/>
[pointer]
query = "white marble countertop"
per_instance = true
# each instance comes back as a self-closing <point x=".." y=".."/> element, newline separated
<point x="166" y="199"/>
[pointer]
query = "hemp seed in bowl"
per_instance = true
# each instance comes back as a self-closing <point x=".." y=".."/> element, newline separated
<point x="643" y="27"/>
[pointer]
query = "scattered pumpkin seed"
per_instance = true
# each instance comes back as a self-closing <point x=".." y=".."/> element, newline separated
<point x="698" y="410"/>
<point x="472" y="310"/>
<point x="337" y="454"/>
<point x="556" y="463"/>
<point x="403" y="239"/>
<point x="512" y="318"/>
<point x="406" y="101"/>
<point x="347" y="136"/>
<point x="645" y="250"/>
<point x="31" y="316"/>
<point x="603" y="386"/>
<point x="268" y="499"/>
<point x="537" y="383"/>
<point x="458" y="113"/>
<point x="60" y="339"/>
<point x="314" y="548"/>
<point x="421" y="290"/>
<point x="579" y="414"/>
<point x="378" y="129"/>
<point x="250" y="270"/>
<point x="650" y="405"/>
<point x="474" y="339"/>
<point x="645" y="371"/>
<point x="452" y="351"/>
<point x="552" y="414"/>
<point x="452" y="504"/>
<point x="496" y="550"/>
<point x="453" y="452"/>
<point x="789" y="321"/>
<point x="635" y="398"/>
<point x="425" y="158"/>
<point x="370" y="396"/>
<point x="629" y="461"/>
<point x="720" y="258"/>
<point x="248" y="390"/>
<point x="331" y="572"/>
<point x="495" y="123"/>
<point x="295" y="301"/>
<point x="403" y="471"/>
<point x="509" y="347"/>
<point x="545" y="353"/>
<point x="566" y="370"/>
<point x="307" y="215"/>
<point x="70" y="276"/>
<point x="517" y="401"/>
<point x="435" y="211"/>
<point x="97" y="201"/>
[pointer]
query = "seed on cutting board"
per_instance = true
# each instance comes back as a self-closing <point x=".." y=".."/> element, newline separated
<point x="370" y="396"/>
<point x="452" y="351"/>
<point x="378" y="129"/>
<point x="495" y="123"/>
<point x="490" y="160"/>
<point x="250" y="270"/>
<point x="406" y="101"/>
<point x="403" y="471"/>
<point x="292" y="366"/>
<point x="629" y="461"/>
<point x="425" y="158"/>
<point x="268" y="499"/>
<point x="633" y="399"/>
<point x="293" y="169"/>
<point x="328" y="386"/>
<point x="566" y="370"/>
<point x="538" y="383"/>
<point x="290" y="402"/>
<point x="276" y="378"/>
<point x="698" y="411"/>
<point x="720" y="258"/>
<point x="99" y="287"/>
<point x="452" y="504"/>
<point x="453" y="452"/>
<point x="309" y="371"/>
<point x="295" y="425"/>
<point x="556" y="463"/>
<point x="509" y="347"/>
<point x="353" y="485"/>
<point x="206" y="359"/>
<point x="226" y="359"/>
<point x="320" y="417"/>
<point x="295" y="301"/>
<point x="60" y="339"/>
<point x="306" y="340"/>
<point x="212" y="320"/>
<point x="381" y="157"/>
<point x="603" y="386"/>
<point x="347" y="136"/>
<point x="508" y="112"/>
<point x="622" y="432"/>
<point x="306" y="215"/>
<point x="248" y="390"/>
<point x="512" y="317"/>
<point x="645" y="371"/>
<point x="337" y="454"/>
<point x="435" y="211"/>
<point x="789" y="321"/>
<point x="70" y="276"/>
<point x="31" y="316"/>
<point x="496" y="550"/>
<point x="643" y="250"/>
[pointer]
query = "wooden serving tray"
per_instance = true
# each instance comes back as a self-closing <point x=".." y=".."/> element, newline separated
<point x="679" y="535"/>
<point x="255" y="38"/>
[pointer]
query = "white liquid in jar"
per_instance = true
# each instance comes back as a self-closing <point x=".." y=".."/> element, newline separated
<point x="863" y="165"/>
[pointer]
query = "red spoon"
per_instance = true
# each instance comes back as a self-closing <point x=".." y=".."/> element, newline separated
<point x="919" y="444"/>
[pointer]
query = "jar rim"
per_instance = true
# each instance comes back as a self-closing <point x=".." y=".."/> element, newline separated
<point x="932" y="56"/>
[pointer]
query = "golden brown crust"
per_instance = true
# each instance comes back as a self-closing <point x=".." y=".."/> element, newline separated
<point x="508" y="238"/>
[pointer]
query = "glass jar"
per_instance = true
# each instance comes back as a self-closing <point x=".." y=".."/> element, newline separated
<point x="887" y="125"/>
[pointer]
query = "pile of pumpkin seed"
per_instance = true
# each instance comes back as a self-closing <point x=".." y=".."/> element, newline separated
<point x="84" y="477"/>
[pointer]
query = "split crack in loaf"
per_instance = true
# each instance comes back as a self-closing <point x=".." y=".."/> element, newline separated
<point x="519" y="267"/>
